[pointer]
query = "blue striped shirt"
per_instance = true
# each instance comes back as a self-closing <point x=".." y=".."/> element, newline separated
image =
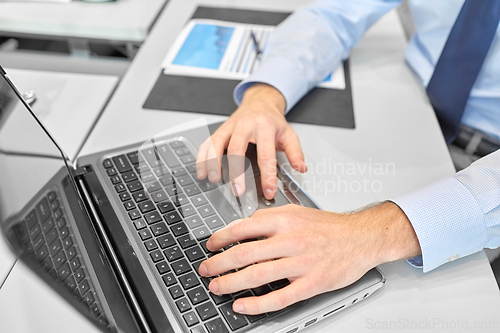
<point x="454" y="217"/>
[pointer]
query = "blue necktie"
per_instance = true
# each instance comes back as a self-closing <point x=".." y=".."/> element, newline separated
<point x="460" y="62"/>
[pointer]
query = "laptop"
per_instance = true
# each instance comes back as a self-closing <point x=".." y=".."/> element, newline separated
<point x="120" y="234"/>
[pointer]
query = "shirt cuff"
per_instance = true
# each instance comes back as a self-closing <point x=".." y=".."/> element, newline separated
<point x="447" y="220"/>
<point x="282" y="75"/>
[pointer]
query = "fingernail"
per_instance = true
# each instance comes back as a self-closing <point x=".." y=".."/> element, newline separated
<point x="198" y="174"/>
<point x="269" y="194"/>
<point x="212" y="175"/>
<point x="214" y="287"/>
<point x="237" y="190"/>
<point x="209" y="244"/>
<point x="238" y="307"/>
<point x="203" y="270"/>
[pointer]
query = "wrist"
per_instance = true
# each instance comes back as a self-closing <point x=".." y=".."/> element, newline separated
<point x="264" y="95"/>
<point x="390" y="233"/>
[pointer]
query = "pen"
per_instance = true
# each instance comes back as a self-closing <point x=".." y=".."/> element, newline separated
<point x="255" y="43"/>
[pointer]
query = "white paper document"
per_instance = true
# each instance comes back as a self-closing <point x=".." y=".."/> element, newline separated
<point x="225" y="50"/>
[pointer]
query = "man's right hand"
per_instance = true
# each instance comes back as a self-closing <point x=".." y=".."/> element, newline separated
<point x="260" y="120"/>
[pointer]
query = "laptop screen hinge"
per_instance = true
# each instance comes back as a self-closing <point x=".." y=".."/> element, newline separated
<point x="82" y="171"/>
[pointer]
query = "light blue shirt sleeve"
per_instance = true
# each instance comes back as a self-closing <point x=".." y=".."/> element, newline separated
<point x="456" y="216"/>
<point x="311" y="43"/>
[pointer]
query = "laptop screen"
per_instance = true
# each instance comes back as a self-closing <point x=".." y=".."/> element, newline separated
<point x="43" y="219"/>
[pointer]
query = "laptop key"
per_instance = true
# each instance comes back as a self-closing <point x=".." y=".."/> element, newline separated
<point x="176" y="292"/>
<point x="129" y="176"/>
<point x="152" y="217"/>
<point x="139" y="196"/>
<point x="206" y="311"/>
<point x="199" y="200"/>
<point x="191" y="168"/>
<point x="172" y="217"/>
<point x="187" y="210"/>
<point x="220" y="299"/>
<point x="59" y="260"/>
<point x="43" y="210"/>
<point x="176" y="144"/>
<point x="156" y="256"/>
<point x="120" y="188"/>
<point x="159" y="229"/>
<point x="235" y="320"/>
<point x="165" y="207"/>
<point x="147" y="176"/>
<point x="55" y="247"/>
<point x="52" y="234"/>
<point x="223" y="206"/>
<point x="140" y="224"/>
<point x="201" y="233"/>
<point x="124" y="196"/>
<point x="167" y="180"/>
<point x="168" y="156"/>
<point x="194" y="253"/>
<point x="214" y="222"/>
<point x="129" y="205"/>
<point x="262" y="290"/>
<point x="186" y="241"/>
<point x="180" y="200"/>
<point x="107" y="163"/>
<point x="162" y="267"/>
<point x="71" y="253"/>
<point x="216" y="326"/>
<point x="188" y="159"/>
<point x="205" y="185"/>
<point x="63" y="272"/>
<point x="134" y="157"/>
<point x="151" y="156"/>
<point x="112" y="172"/>
<point x="190" y="319"/>
<point x="179" y="229"/>
<point x="178" y="172"/>
<point x="153" y="186"/>
<point x="134" y="186"/>
<point x="166" y="241"/>
<point x="150" y="245"/>
<point x="183" y="305"/>
<point x="194" y="222"/>
<point x="206" y="211"/>
<point x="115" y="180"/>
<point x="197" y="296"/>
<point x="161" y="171"/>
<point x="122" y="164"/>
<point x="134" y="214"/>
<point x="180" y="267"/>
<point x="169" y="279"/>
<point x="185" y="180"/>
<point x="173" y="253"/>
<point x="196" y="266"/>
<point x="181" y="151"/>
<point x="146" y="206"/>
<point x="145" y="234"/>
<point x="255" y="318"/>
<point x="159" y="196"/>
<point x="79" y="275"/>
<point x="192" y="190"/>
<point x="189" y="281"/>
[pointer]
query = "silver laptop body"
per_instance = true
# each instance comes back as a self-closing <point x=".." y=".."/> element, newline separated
<point x="120" y="234"/>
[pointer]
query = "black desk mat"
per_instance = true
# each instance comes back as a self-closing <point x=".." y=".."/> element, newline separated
<point x="321" y="106"/>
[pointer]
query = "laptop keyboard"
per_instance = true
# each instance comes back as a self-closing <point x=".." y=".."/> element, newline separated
<point x="174" y="213"/>
<point x="49" y="239"/>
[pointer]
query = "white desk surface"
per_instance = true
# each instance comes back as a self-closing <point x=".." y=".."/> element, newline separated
<point x="394" y="125"/>
<point x="123" y="20"/>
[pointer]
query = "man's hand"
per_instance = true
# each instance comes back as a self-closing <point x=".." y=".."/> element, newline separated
<point x="316" y="251"/>
<point x="258" y="120"/>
